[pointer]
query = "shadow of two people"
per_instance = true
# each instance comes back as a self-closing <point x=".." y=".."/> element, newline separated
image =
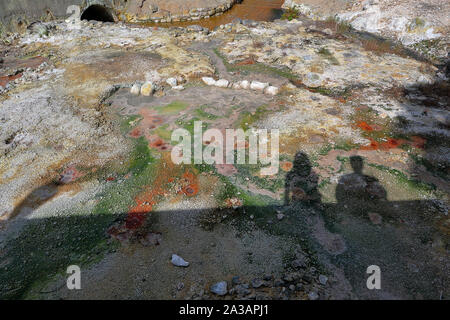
<point x="355" y="192"/>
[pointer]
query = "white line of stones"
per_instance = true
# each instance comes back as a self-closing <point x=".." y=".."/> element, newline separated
<point x="244" y="84"/>
<point x="148" y="87"/>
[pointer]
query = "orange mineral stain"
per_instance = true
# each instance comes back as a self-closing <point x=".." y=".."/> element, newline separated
<point x="364" y="126"/>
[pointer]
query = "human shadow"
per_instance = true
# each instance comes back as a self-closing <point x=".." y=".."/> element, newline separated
<point x="358" y="192"/>
<point x="301" y="184"/>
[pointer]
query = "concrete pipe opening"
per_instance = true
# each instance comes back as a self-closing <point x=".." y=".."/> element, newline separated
<point x="98" y="13"/>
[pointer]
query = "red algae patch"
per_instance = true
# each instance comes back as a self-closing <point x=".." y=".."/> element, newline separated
<point x="364" y="126"/>
<point x="7" y="79"/>
<point x="190" y="186"/>
<point x="286" y="166"/>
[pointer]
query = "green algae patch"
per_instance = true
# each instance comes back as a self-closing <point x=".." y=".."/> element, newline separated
<point x="172" y="108"/>
<point x="129" y="123"/>
<point x="163" y="132"/>
<point x="247" y="119"/>
<point x="403" y="179"/>
<point x="200" y="112"/>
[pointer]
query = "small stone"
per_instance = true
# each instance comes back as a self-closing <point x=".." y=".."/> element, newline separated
<point x="135" y="89"/>
<point x="180" y="286"/>
<point x="236" y="280"/>
<point x="279" y="283"/>
<point x="172" y="82"/>
<point x="147" y="89"/>
<point x="292" y="287"/>
<point x="222" y="83"/>
<point x="313" y="295"/>
<point x="209" y="81"/>
<point x="245" y="84"/>
<point x="219" y="288"/>
<point x="299" y="263"/>
<point x="268" y="277"/>
<point x="179" y="261"/>
<point x="280" y="216"/>
<point x="236" y="86"/>
<point x="242" y="290"/>
<point x="375" y="218"/>
<point x="256" y="283"/>
<point x="323" y="279"/>
<point x="179" y="88"/>
<point x="272" y="90"/>
<point x="260" y="86"/>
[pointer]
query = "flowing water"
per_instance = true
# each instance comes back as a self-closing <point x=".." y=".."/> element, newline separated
<point x="258" y="10"/>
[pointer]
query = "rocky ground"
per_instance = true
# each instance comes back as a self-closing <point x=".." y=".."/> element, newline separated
<point x="86" y="177"/>
<point x="423" y="26"/>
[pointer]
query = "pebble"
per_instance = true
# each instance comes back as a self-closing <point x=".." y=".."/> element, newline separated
<point x="299" y="263"/>
<point x="268" y="277"/>
<point x="323" y="279"/>
<point x="236" y="86"/>
<point x="222" y="83"/>
<point x="260" y="86"/>
<point x="209" y="81"/>
<point x="180" y="286"/>
<point x="256" y="283"/>
<point x="242" y="290"/>
<point x="179" y="261"/>
<point x="172" y="82"/>
<point x="272" y="90"/>
<point x="244" y="84"/>
<point x="135" y="89"/>
<point x="147" y="89"/>
<point x="179" y="88"/>
<point x="236" y="280"/>
<point x="219" y="288"/>
<point x="278" y="283"/>
<point x="280" y="216"/>
<point x="313" y="295"/>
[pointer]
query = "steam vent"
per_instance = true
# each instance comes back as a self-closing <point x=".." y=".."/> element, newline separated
<point x="224" y="150"/>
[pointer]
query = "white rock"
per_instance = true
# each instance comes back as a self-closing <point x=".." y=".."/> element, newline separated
<point x="180" y="88"/>
<point x="245" y="84"/>
<point x="219" y="288"/>
<point x="271" y="90"/>
<point x="135" y="89"/>
<point x="172" y="82"/>
<point x="179" y="261"/>
<point x="260" y="86"/>
<point x="236" y="86"/>
<point x="209" y="81"/>
<point x="222" y="83"/>
<point x="147" y="89"/>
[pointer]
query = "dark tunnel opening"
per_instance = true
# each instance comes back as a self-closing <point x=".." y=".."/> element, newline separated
<point x="98" y="13"/>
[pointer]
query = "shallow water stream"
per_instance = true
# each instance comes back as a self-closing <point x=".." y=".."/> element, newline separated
<point x="258" y="10"/>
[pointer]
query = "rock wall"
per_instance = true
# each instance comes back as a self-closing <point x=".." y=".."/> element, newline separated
<point x="17" y="14"/>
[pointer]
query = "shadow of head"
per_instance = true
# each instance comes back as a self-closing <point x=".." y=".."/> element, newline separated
<point x="357" y="164"/>
<point x="302" y="165"/>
